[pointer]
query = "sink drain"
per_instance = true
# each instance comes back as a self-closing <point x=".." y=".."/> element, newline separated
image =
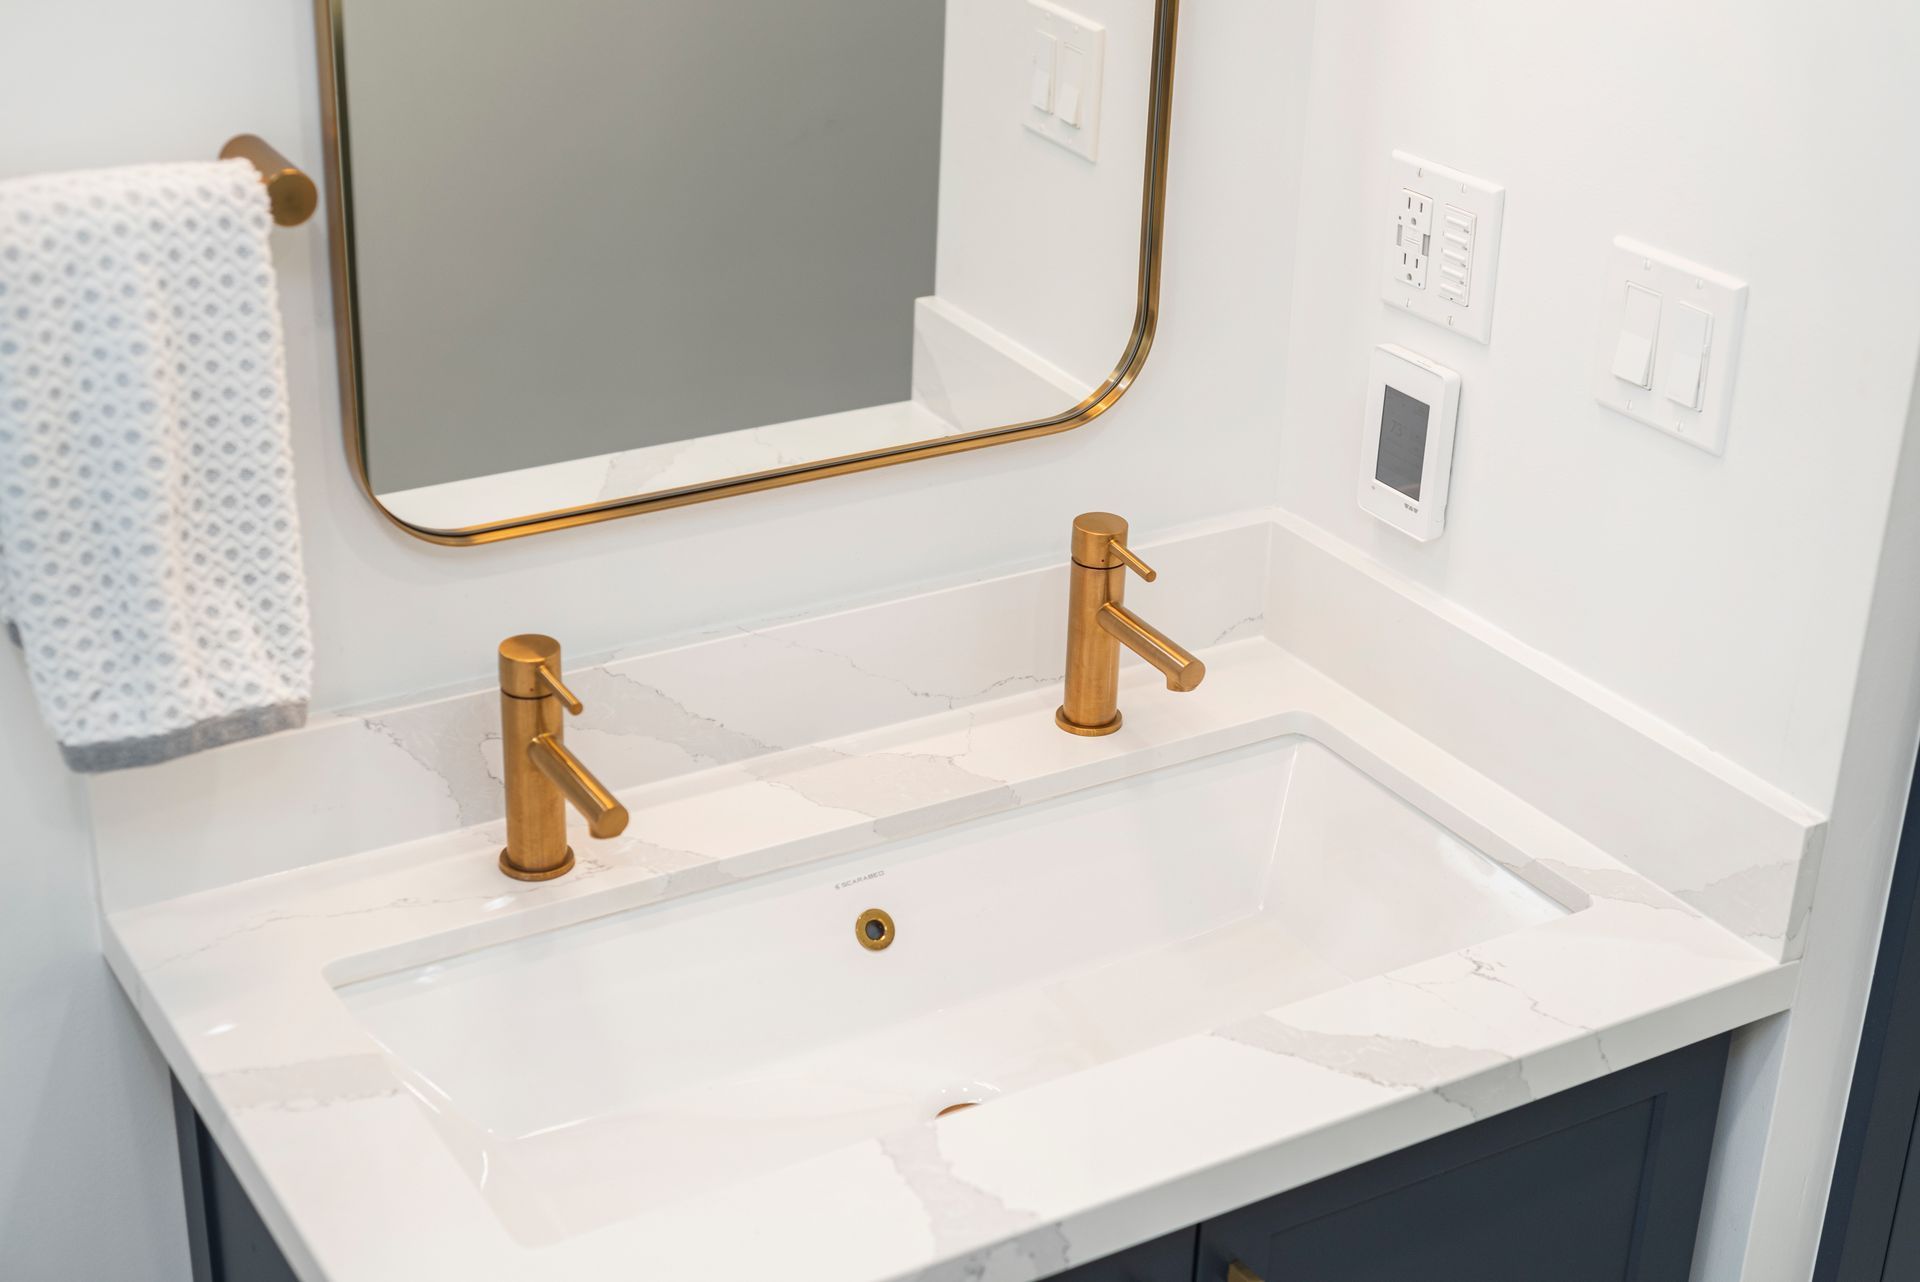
<point x="874" y="929"/>
<point x="959" y="1095"/>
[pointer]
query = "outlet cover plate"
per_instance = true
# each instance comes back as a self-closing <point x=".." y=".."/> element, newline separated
<point x="1445" y="188"/>
<point x="1677" y="281"/>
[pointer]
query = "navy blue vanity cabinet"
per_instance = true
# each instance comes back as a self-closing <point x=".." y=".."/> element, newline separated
<point x="1166" y="1259"/>
<point x="225" y="1237"/>
<point x="1601" y="1183"/>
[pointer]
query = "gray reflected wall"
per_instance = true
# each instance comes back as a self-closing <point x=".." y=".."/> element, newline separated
<point x="590" y="225"/>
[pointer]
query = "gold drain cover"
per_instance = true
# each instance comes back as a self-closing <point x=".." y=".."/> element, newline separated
<point x="874" y="929"/>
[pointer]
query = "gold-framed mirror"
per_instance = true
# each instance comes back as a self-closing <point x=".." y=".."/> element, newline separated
<point x="593" y="258"/>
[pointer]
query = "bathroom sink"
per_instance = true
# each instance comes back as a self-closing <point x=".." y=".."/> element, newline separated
<point x="594" y="1071"/>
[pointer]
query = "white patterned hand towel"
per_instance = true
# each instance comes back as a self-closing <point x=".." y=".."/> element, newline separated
<point x="149" y="550"/>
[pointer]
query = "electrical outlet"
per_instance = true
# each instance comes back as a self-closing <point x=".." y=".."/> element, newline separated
<point x="1445" y="246"/>
<point x="1412" y="237"/>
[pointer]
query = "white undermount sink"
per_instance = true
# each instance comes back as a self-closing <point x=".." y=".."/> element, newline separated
<point x="588" y="1073"/>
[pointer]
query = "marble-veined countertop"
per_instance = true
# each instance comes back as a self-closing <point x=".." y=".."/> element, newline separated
<point x="238" y="985"/>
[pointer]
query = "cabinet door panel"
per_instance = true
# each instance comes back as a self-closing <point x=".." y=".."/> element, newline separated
<point x="1599" y="1184"/>
<point x="1167" y="1259"/>
<point x="227" y="1240"/>
<point x="1512" y="1217"/>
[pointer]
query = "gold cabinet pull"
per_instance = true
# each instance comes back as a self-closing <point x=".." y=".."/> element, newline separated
<point x="1238" y="1272"/>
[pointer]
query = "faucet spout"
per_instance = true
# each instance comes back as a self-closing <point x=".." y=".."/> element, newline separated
<point x="605" y="816"/>
<point x="1175" y="662"/>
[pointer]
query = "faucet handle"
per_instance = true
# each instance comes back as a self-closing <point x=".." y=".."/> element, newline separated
<point x="1099" y="540"/>
<point x="530" y="669"/>
<point x="568" y="699"/>
<point x="1132" y="562"/>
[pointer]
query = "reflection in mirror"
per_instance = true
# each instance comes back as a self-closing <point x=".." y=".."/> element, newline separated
<point x="606" y="252"/>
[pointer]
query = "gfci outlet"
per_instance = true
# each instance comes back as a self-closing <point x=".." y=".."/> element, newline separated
<point x="1443" y="246"/>
<point x="1413" y="237"/>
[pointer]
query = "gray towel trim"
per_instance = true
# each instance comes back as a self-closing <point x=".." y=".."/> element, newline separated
<point x="125" y="754"/>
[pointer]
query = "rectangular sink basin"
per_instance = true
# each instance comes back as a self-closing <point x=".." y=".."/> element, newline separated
<point x="591" y="1072"/>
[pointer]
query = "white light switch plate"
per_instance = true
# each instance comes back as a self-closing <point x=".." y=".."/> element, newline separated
<point x="1441" y="258"/>
<point x="1697" y="306"/>
<point x="1080" y="46"/>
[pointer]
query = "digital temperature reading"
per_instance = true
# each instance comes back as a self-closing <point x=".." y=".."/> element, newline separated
<point x="1403" y="442"/>
<point x="1407" y="453"/>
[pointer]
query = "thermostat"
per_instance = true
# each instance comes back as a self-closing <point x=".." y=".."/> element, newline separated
<point x="1407" y="452"/>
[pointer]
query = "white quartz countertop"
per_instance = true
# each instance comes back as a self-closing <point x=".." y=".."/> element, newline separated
<point x="239" y="987"/>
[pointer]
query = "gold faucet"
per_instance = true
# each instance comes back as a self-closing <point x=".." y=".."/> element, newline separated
<point x="1098" y="625"/>
<point x="542" y="776"/>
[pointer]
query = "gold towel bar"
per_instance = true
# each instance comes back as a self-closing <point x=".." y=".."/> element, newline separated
<point x="292" y="193"/>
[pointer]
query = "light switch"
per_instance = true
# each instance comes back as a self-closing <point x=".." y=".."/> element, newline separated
<point x="1456" y="255"/>
<point x="1042" y="54"/>
<point x="1639" y="328"/>
<point x="1666" y="349"/>
<point x="1065" y="54"/>
<point x="1070" y="86"/>
<point x="1689" y="335"/>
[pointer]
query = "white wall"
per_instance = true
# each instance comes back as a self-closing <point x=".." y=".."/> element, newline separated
<point x="1728" y="596"/>
<point x="1769" y="1212"/>
<point x="89" y="1183"/>
<point x="1725" y="595"/>
<point x="89" y="1177"/>
<point x="96" y="82"/>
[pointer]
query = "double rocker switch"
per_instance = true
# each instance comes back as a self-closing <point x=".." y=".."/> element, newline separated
<point x="1665" y="337"/>
<point x="1058" y="81"/>
<point x="1064" y="55"/>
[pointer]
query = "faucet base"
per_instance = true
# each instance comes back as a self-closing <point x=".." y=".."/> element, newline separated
<point x="518" y="873"/>
<point x="1074" y="727"/>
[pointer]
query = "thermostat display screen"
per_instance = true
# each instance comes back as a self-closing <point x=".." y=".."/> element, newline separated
<point x="1403" y="442"/>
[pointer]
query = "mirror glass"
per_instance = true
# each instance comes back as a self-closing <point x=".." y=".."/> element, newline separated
<point x="615" y="254"/>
